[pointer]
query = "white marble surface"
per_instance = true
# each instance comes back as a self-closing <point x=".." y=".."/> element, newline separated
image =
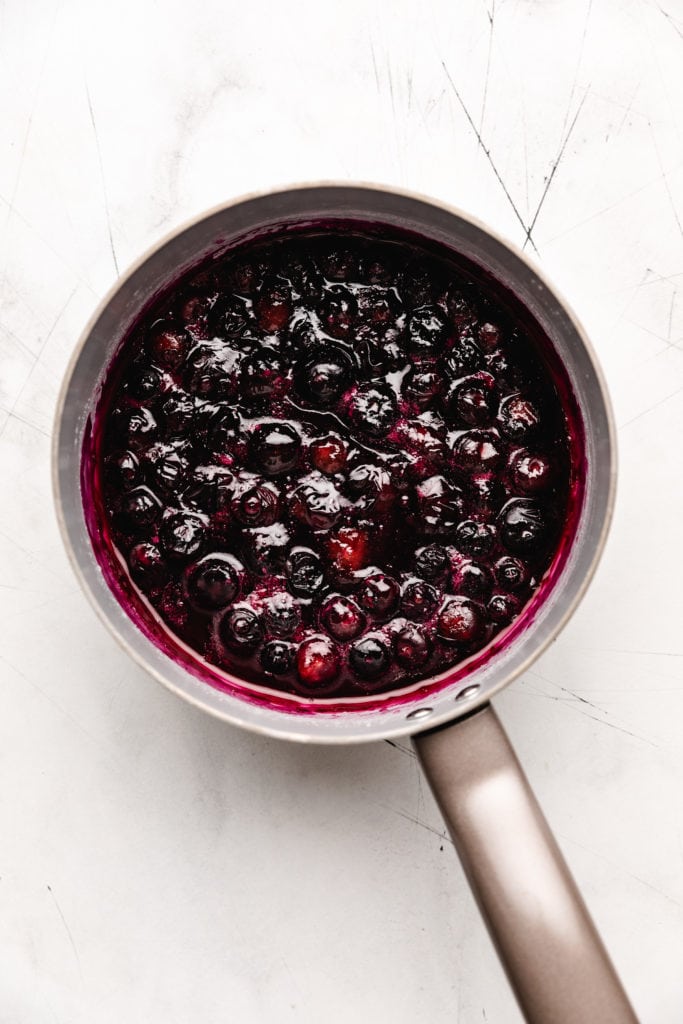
<point x="155" y="865"/>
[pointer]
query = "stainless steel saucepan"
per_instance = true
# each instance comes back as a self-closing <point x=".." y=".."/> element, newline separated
<point x="556" y="963"/>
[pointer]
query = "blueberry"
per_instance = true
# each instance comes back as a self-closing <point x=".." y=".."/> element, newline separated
<point x="195" y="313"/>
<point x="209" y="487"/>
<point x="275" y="447"/>
<point x="339" y="263"/>
<point x="317" y="664"/>
<point x="182" y="535"/>
<point x="419" y="600"/>
<point x="373" y="409"/>
<point x="530" y="472"/>
<point x="316" y="502"/>
<point x="147" y="566"/>
<point x="338" y="311"/>
<point x="473" y="538"/>
<point x="273" y="307"/>
<point x="476" y="449"/>
<point x="324" y="378"/>
<point x="302" y="274"/>
<point x="178" y="413"/>
<point x="369" y="658"/>
<point x="266" y="548"/>
<point x="255" y="502"/>
<point x="518" y="418"/>
<point x="342" y="618"/>
<point x="140" y="507"/>
<point x="426" y="331"/>
<point x="378" y="306"/>
<point x="376" y="270"/>
<point x="168" y="469"/>
<point x="262" y="372"/>
<point x="371" y="488"/>
<point x="214" y="581"/>
<point x="168" y="347"/>
<point x="439" y="505"/>
<point x="123" y="469"/>
<point x="231" y="317"/>
<point x="510" y="573"/>
<point x="489" y="336"/>
<point x="470" y="401"/>
<point x="461" y="621"/>
<point x="218" y="426"/>
<point x="379" y="595"/>
<point x="210" y="372"/>
<point x="524" y="527"/>
<point x="277" y="657"/>
<point x="503" y="608"/>
<point x="422" y="386"/>
<point x="464" y="356"/>
<point x="144" y="383"/>
<point x="328" y="454"/>
<point x="245" y="276"/>
<point x="411" y="647"/>
<point x="416" y="283"/>
<point x="431" y="562"/>
<point x="349" y="549"/>
<point x="486" y="491"/>
<point x="240" y="629"/>
<point x="136" y="427"/>
<point x="282" y="614"/>
<point x="473" y="580"/>
<point x="304" y="572"/>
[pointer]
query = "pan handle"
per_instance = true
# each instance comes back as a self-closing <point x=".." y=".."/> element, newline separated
<point x="546" y="940"/>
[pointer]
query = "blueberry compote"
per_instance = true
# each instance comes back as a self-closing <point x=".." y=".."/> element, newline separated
<point x="332" y="464"/>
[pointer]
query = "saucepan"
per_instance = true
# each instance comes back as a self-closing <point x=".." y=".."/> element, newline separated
<point x="549" y="947"/>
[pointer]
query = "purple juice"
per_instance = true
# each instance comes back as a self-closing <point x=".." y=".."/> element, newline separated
<point x="332" y="466"/>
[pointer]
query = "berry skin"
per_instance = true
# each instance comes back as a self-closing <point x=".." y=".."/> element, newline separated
<point x="209" y="487"/>
<point x="168" y="468"/>
<point x="169" y="347"/>
<point x="431" y="562"/>
<point x="422" y="385"/>
<point x="530" y="473"/>
<point x="324" y="378"/>
<point x="460" y="621"/>
<point x="440" y="505"/>
<point x="419" y="600"/>
<point x="379" y="595"/>
<point x="210" y="371"/>
<point x="304" y="572"/>
<point x="342" y="618"/>
<point x="273" y="307"/>
<point x="317" y="664"/>
<point x="214" y="582"/>
<point x="328" y="454"/>
<point x="510" y="573"/>
<point x="140" y="508"/>
<point x="369" y="658"/>
<point x="255" y="502"/>
<point x="178" y="413"/>
<point x="471" y="401"/>
<point x="518" y="418"/>
<point x="476" y="450"/>
<point x="147" y="566"/>
<point x="240" y="629"/>
<point x="464" y="357"/>
<point x="123" y="469"/>
<point x="262" y="372"/>
<point x="137" y="427"/>
<point x="371" y="488"/>
<point x="277" y="657"/>
<point x="266" y="548"/>
<point x="182" y="536"/>
<point x="503" y="608"/>
<point x="489" y="336"/>
<point x="338" y="312"/>
<point x="426" y="330"/>
<point x="316" y="502"/>
<point x="145" y="384"/>
<point x="348" y="550"/>
<point x="373" y="409"/>
<point x="275" y="447"/>
<point x="486" y="491"/>
<point x="475" y="539"/>
<point x="472" y="580"/>
<point x="412" y="649"/>
<point x="523" y="527"/>
<point x="282" y="614"/>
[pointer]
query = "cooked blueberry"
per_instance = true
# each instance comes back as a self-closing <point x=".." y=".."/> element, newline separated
<point x="379" y="595"/>
<point x="349" y="549"/>
<point x="324" y="378"/>
<point x="471" y="402"/>
<point x="489" y="336"/>
<point x="377" y="270"/>
<point x="373" y="409"/>
<point x="209" y="487"/>
<point x="439" y="505"/>
<point x="304" y="572"/>
<point x="123" y="469"/>
<point x="240" y="629"/>
<point x="431" y="562"/>
<point x="144" y="383"/>
<point x="530" y="472"/>
<point x="246" y="276"/>
<point x="422" y="386"/>
<point x="275" y="447"/>
<point x="378" y="306"/>
<point x="419" y="600"/>
<point x="464" y="357"/>
<point x="316" y="502"/>
<point x="328" y="454"/>
<point x="169" y="347"/>
<point x="339" y="263"/>
<point x="255" y="503"/>
<point x="503" y="608"/>
<point x="317" y="664"/>
<point x="218" y="425"/>
<point x="460" y="621"/>
<point x="460" y="304"/>
<point x="518" y="417"/>
<point x="338" y="311"/>
<point x="282" y="614"/>
<point x="168" y="469"/>
<point x="135" y="426"/>
<point x="369" y="658"/>
<point x="214" y="581"/>
<point x="195" y="313"/>
<point x="412" y="648"/>
<point x="370" y="487"/>
<point x="510" y="573"/>
<point x="474" y="538"/>
<point x="182" y="535"/>
<point x="472" y="580"/>
<point x="273" y="307"/>
<point x="524" y="527"/>
<point x="261" y="372"/>
<point x="140" y="507"/>
<point x="211" y="371"/>
<point x="416" y="283"/>
<point x="476" y="449"/>
<point x="426" y="330"/>
<point x="147" y="566"/>
<point x="302" y="273"/>
<point x="486" y="491"/>
<point x="342" y="618"/>
<point x="178" y="412"/>
<point x="277" y="657"/>
<point x="266" y="548"/>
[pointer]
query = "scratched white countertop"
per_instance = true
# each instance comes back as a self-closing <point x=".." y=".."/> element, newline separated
<point x="157" y="866"/>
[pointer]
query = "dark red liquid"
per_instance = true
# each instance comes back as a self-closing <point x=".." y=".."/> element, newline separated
<point x="332" y="466"/>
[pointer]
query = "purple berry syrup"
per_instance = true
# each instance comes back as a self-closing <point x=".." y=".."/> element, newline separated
<point x="331" y="466"/>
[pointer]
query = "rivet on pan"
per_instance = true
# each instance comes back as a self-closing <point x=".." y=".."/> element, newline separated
<point x="419" y="713"/>
<point x="468" y="692"/>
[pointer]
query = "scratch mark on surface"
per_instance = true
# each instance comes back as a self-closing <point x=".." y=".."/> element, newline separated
<point x="443" y="836"/>
<point x="374" y="63"/>
<point x="666" y="180"/>
<point x="404" y="750"/>
<point x="68" y="931"/>
<point x="104" y="185"/>
<point x="488" y="156"/>
<point x="579" y="61"/>
<point x="553" y="170"/>
<point x="671" y="315"/>
<point x="628" y="108"/>
<point x="671" y="21"/>
<point x="491" y="17"/>
<point x="645" y="412"/>
<point x="620" y="867"/>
